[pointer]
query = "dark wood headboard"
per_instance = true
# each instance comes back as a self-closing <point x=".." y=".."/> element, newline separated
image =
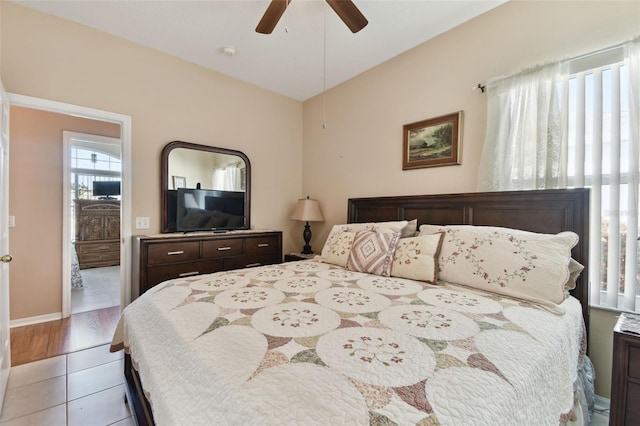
<point x="545" y="211"/>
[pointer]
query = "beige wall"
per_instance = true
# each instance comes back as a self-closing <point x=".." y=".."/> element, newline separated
<point x="168" y="99"/>
<point x="360" y="153"/>
<point x="35" y="199"/>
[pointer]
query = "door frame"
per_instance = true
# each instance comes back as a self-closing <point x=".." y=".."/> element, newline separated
<point x="67" y="140"/>
<point x="125" y="202"/>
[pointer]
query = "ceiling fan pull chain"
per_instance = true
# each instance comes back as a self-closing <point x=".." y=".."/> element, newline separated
<point x="286" y="22"/>
<point x="324" y="74"/>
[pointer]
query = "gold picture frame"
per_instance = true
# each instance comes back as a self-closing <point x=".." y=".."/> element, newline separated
<point x="433" y="142"/>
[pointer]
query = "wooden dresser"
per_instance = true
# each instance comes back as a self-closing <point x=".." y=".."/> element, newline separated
<point x="625" y="378"/>
<point x="97" y="236"/>
<point x="162" y="257"/>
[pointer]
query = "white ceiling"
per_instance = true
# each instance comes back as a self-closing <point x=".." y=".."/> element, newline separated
<point x="290" y="61"/>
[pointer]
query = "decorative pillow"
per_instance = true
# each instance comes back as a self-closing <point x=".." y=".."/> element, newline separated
<point x="336" y="249"/>
<point x="575" y="269"/>
<point x="417" y="258"/>
<point x="515" y="263"/>
<point x="372" y="252"/>
<point x="338" y="253"/>
<point x="410" y="230"/>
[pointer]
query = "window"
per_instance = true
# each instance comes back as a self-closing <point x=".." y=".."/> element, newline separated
<point x="89" y="165"/>
<point x="601" y="157"/>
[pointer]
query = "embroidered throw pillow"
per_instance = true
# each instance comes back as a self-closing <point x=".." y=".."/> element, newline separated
<point x="372" y="252"/>
<point x="417" y="258"/>
<point x="338" y="252"/>
<point x="515" y="263"/>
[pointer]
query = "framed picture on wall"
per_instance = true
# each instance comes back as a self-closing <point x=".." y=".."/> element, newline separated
<point x="179" y="182"/>
<point x="432" y="142"/>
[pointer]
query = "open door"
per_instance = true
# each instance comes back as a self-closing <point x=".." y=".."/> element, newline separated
<point x="5" y="257"/>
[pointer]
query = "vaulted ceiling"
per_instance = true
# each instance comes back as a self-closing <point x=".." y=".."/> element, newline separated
<point x="310" y="49"/>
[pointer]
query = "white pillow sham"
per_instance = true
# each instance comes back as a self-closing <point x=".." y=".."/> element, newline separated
<point x="515" y="263"/>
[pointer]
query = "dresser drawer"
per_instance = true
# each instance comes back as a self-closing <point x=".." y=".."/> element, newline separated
<point x="268" y="244"/>
<point x="173" y="252"/>
<point x="222" y="248"/>
<point x="85" y="248"/>
<point x="632" y="415"/>
<point x="634" y="362"/>
<point x="109" y="256"/>
<point x="251" y="261"/>
<point x="160" y="273"/>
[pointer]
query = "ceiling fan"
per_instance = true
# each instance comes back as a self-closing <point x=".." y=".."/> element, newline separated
<point x="345" y="9"/>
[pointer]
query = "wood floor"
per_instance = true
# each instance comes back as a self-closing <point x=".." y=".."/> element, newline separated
<point x="79" y="331"/>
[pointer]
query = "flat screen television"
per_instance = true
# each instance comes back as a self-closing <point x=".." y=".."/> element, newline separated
<point x="209" y="210"/>
<point x="105" y="189"/>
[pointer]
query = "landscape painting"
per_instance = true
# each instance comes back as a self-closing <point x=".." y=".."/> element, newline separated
<point x="432" y="142"/>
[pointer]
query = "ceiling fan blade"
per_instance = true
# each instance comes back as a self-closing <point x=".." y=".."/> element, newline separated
<point x="349" y="13"/>
<point x="271" y="16"/>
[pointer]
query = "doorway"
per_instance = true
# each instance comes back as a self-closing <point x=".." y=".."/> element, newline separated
<point x="123" y="240"/>
<point x="92" y="173"/>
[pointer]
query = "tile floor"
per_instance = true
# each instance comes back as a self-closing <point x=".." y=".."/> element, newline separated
<point x="101" y="290"/>
<point x="84" y="388"/>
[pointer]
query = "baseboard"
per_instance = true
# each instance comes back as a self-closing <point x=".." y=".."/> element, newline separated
<point x="35" y="320"/>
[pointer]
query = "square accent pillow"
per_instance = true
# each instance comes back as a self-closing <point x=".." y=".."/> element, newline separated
<point x="417" y="258"/>
<point x="338" y="252"/>
<point x="372" y="252"/>
<point x="515" y="263"/>
<point x="337" y="247"/>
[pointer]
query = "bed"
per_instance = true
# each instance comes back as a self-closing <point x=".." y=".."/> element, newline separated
<point x="320" y="342"/>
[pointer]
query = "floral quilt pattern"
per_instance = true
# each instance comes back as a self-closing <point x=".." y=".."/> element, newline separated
<point x="312" y="343"/>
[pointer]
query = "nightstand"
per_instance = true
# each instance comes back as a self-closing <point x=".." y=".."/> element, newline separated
<point x="625" y="377"/>
<point x="292" y="257"/>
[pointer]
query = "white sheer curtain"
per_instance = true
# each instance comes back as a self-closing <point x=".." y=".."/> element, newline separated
<point x="227" y="178"/>
<point x="549" y="129"/>
<point x="526" y="139"/>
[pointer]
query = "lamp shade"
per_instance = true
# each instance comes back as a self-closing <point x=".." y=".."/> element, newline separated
<point x="307" y="210"/>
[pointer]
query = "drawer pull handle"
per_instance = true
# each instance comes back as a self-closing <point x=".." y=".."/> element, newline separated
<point x="104" y="248"/>
<point x="175" y="253"/>
<point x="251" y="265"/>
<point x="263" y="245"/>
<point x="188" y="274"/>
<point x="224" y="248"/>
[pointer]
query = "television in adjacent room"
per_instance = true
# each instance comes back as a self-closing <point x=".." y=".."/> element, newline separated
<point x="106" y="189"/>
<point x="209" y="210"/>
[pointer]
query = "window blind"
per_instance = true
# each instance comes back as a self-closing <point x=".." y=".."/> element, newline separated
<point x="603" y="158"/>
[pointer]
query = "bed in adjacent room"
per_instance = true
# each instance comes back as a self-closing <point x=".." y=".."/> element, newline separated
<point x="444" y="309"/>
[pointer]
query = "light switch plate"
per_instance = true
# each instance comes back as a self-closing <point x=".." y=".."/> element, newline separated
<point x="142" y="223"/>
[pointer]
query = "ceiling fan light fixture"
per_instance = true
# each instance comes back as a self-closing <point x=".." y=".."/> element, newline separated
<point x="229" y="50"/>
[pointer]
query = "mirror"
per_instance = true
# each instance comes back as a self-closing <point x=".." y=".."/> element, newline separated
<point x="188" y="169"/>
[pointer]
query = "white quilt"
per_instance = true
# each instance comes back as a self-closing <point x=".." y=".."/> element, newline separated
<point x="311" y="343"/>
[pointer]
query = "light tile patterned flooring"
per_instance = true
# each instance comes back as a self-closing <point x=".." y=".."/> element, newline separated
<point x="101" y="289"/>
<point x="83" y="388"/>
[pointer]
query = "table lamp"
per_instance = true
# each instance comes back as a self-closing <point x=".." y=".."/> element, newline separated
<point x="307" y="210"/>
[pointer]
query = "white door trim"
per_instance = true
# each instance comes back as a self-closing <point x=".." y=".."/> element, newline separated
<point x="126" y="199"/>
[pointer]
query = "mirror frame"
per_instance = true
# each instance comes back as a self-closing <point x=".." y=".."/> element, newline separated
<point x="164" y="179"/>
